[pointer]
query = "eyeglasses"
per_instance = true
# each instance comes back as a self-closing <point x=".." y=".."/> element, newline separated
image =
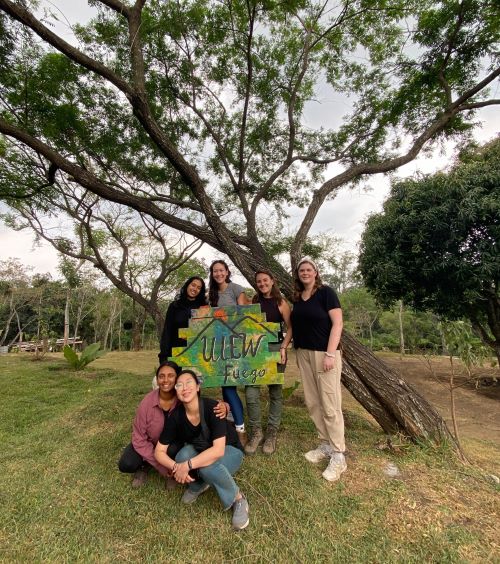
<point x="188" y="384"/>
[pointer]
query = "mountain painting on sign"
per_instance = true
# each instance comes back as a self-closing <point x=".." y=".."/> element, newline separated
<point x="230" y="346"/>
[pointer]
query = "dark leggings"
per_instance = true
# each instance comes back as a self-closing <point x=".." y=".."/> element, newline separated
<point x="131" y="461"/>
<point x="230" y="395"/>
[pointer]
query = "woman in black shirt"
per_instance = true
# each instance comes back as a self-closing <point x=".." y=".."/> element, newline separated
<point x="211" y="453"/>
<point x="317" y="326"/>
<point x="191" y="296"/>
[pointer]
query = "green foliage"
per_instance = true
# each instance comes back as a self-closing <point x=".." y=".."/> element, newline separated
<point x="288" y="390"/>
<point x="198" y="52"/>
<point x="461" y="341"/>
<point x="88" y="355"/>
<point x="435" y="245"/>
<point x="379" y="328"/>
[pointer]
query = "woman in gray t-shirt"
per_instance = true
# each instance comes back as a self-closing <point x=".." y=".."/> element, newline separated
<point x="223" y="292"/>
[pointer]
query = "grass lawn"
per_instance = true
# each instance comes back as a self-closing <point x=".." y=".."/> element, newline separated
<point x="62" y="498"/>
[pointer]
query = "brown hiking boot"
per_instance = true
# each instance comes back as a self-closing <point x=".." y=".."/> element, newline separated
<point x="243" y="437"/>
<point x="140" y="478"/>
<point x="269" y="445"/>
<point x="255" y="440"/>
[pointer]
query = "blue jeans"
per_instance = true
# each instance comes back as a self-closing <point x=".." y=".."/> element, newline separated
<point x="230" y="395"/>
<point x="218" y="474"/>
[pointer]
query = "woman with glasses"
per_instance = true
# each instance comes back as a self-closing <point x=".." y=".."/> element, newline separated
<point x="211" y="453"/>
<point x="138" y="457"/>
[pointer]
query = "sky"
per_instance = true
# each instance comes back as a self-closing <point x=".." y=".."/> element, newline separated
<point x="344" y="216"/>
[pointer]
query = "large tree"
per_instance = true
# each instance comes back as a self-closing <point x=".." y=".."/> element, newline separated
<point x="200" y="105"/>
<point x="436" y="244"/>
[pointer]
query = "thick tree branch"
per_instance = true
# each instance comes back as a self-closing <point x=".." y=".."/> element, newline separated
<point x="385" y="166"/>
<point x="477" y="105"/>
<point x="117" y="6"/>
<point x="87" y="180"/>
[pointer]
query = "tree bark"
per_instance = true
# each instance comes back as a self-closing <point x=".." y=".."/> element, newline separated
<point x="395" y="405"/>
<point x="66" y="318"/>
<point x="401" y="332"/>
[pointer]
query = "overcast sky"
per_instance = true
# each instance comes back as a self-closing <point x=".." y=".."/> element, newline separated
<point x="344" y="216"/>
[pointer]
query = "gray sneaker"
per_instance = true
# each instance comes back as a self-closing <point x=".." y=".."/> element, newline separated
<point x="336" y="466"/>
<point x="191" y="496"/>
<point x="240" y="513"/>
<point x="323" y="452"/>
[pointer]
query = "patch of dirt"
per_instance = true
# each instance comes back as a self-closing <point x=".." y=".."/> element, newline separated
<point x="477" y="410"/>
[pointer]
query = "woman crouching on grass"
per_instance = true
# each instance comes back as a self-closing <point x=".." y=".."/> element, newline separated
<point x="211" y="453"/>
<point x="157" y="406"/>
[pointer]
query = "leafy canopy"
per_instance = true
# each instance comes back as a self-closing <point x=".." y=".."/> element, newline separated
<point x="436" y="243"/>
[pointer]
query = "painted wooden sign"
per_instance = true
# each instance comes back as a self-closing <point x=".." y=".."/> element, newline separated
<point x="230" y="346"/>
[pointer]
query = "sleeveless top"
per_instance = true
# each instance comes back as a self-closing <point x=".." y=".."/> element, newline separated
<point x="269" y="306"/>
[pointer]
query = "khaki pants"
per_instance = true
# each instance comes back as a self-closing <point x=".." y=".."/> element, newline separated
<point x="322" y="393"/>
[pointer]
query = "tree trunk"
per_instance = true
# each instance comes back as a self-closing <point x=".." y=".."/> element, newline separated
<point x="395" y="405"/>
<point x="120" y="328"/>
<point x="139" y="317"/>
<point x="401" y="333"/>
<point x="66" y="317"/>
<point x="109" y="326"/>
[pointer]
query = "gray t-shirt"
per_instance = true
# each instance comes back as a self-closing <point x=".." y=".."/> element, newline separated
<point x="230" y="295"/>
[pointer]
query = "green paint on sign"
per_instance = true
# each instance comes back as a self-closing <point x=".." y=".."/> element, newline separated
<point x="230" y="346"/>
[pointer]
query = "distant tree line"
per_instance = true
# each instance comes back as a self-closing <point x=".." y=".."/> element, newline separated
<point x="40" y="308"/>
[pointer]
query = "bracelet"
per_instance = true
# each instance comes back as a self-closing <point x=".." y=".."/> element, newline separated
<point x="283" y="348"/>
<point x="190" y="466"/>
<point x="174" y="467"/>
<point x="330" y="355"/>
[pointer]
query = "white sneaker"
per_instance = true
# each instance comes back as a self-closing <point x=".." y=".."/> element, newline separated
<point x="323" y="452"/>
<point x="335" y="467"/>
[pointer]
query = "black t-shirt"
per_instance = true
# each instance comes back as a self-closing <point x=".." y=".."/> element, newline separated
<point x="311" y="323"/>
<point x="179" y="430"/>
<point x="178" y="314"/>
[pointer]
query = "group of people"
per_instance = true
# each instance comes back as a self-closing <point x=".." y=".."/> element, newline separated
<point x="190" y="439"/>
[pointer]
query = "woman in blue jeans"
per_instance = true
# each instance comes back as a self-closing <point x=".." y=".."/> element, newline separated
<point x="211" y="453"/>
<point x="222" y="292"/>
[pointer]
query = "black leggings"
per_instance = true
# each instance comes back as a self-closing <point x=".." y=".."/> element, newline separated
<point x="131" y="461"/>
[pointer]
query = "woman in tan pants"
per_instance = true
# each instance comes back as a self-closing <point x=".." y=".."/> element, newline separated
<point x="316" y="326"/>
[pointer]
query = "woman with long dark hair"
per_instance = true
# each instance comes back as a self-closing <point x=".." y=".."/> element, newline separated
<point x="317" y="327"/>
<point x="223" y="292"/>
<point x="277" y="310"/>
<point x="191" y="296"/>
<point x="211" y="453"/>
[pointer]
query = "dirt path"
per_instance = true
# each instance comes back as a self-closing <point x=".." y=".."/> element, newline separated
<point x="477" y="411"/>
